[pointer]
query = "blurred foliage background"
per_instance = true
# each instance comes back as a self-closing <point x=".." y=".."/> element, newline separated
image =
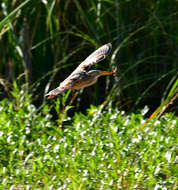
<point x="41" y="42"/>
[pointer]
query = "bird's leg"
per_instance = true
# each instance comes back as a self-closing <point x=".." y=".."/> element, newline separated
<point x="75" y="94"/>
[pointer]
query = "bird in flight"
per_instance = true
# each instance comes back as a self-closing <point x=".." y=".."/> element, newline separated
<point x="82" y="77"/>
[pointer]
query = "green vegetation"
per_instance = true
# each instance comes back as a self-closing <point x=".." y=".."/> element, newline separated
<point x="57" y="144"/>
<point x="99" y="150"/>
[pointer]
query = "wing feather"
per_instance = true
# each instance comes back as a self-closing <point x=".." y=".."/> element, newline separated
<point x="97" y="56"/>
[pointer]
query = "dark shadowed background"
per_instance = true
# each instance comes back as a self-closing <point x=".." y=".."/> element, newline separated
<point x="42" y="42"/>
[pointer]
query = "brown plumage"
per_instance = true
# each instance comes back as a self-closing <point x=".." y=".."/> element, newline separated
<point x="81" y="77"/>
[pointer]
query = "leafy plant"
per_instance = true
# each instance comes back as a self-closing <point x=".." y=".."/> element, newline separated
<point x="102" y="149"/>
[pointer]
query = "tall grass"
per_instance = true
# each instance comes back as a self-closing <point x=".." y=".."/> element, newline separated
<point x="46" y="40"/>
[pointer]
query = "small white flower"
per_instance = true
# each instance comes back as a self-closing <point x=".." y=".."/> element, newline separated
<point x="27" y="158"/>
<point x="111" y="182"/>
<point x="4" y="180"/>
<point x="143" y="121"/>
<point x="8" y="139"/>
<point x="157" y="187"/>
<point x="27" y="130"/>
<point x="126" y="122"/>
<point x="17" y="171"/>
<point x="113" y="116"/>
<point x="145" y="110"/>
<point x="93" y="152"/>
<point x="157" y="122"/>
<point x="115" y="128"/>
<point x="82" y="133"/>
<point x="56" y="148"/>
<point x="122" y="112"/>
<point x="111" y="145"/>
<point x="85" y="173"/>
<point x="39" y="141"/>
<point x="168" y="156"/>
<point x="84" y="179"/>
<point x="157" y="170"/>
<point x="4" y="169"/>
<point x="1" y="133"/>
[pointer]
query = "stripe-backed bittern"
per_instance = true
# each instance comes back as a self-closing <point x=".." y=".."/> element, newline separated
<point x="81" y="77"/>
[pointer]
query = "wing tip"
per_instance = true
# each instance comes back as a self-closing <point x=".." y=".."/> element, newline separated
<point x="49" y="96"/>
<point x="53" y="93"/>
<point x="109" y="45"/>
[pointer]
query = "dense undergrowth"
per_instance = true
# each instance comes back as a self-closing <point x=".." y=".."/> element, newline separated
<point x="104" y="149"/>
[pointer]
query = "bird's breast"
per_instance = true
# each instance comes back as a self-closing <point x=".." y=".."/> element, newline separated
<point x="84" y="82"/>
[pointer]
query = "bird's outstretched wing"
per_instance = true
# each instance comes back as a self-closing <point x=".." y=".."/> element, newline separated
<point x="66" y="84"/>
<point x="97" y="56"/>
<point x="81" y="70"/>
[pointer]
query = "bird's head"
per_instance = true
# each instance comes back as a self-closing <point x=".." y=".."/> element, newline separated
<point x="98" y="73"/>
<point x="94" y="73"/>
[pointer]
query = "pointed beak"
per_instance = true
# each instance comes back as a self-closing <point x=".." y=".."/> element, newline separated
<point x="102" y="73"/>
